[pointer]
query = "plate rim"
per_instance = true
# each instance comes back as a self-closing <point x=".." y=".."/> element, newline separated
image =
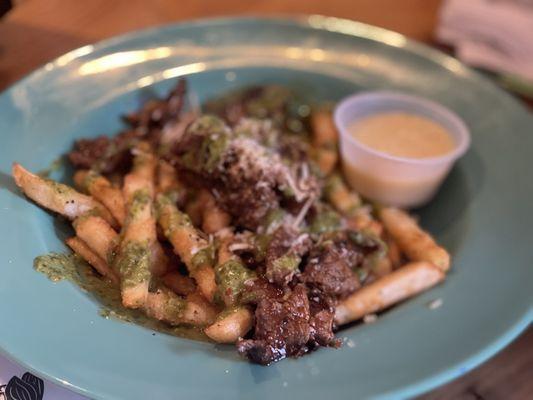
<point x="372" y="33"/>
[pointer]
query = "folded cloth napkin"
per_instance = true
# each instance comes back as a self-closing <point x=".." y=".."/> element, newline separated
<point x="16" y="383"/>
<point x="496" y="35"/>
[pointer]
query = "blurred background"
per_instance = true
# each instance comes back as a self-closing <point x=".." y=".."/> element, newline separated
<point x="495" y="36"/>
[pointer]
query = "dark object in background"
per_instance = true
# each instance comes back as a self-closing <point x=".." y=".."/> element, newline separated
<point x="5" y="6"/>
<point x="29" y="387"/>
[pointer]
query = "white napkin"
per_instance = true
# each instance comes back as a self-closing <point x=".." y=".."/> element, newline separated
<point x="493" y="34"/>
<point x="17" y="384"/>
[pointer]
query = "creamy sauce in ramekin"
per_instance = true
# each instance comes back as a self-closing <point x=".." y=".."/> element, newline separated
<point x="403" y="135"/>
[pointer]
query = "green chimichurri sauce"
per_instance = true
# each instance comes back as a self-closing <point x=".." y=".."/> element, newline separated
<point x="72" y="268"/>
<point x="327" y="221"/>
<point x="231" y="277"/>
<point x="133" y="262"/>
<point x="286" y="263"/>
<point x="205" y="256"/>
<point x="215" y="139"/>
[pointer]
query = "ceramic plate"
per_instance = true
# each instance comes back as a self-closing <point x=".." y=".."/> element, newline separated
<point x="482" y="215"/>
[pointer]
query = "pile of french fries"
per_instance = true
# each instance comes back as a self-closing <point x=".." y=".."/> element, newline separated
<point x="120" y="231"/>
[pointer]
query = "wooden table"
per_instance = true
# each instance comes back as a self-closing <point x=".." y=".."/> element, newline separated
<point x="38" y="30"/>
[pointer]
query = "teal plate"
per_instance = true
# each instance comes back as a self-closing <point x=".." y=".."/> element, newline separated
<point x="482" y="214"/>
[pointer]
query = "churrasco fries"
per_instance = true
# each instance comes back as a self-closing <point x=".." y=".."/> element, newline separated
<point x="238" y="222"/>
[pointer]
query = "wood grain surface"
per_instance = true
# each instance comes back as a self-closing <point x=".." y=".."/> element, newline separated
<point x="36" y="31"/>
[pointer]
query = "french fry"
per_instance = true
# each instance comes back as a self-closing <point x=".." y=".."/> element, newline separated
<point x="98" y="235"/>
<point x="363" y="221"/>
<point x="394" y="253"/>
<point x="167" y="179"/>
<point x="159" y="259"/>
<point x="80" y="248"/>
<point x="225" y="238"/>
<point x="399" y="285"/>
<point x="324" y="130"/>
<point x="179" y="230"/>
<point x="326" y="159"/>
<point x="165" y="305"/>
<point x="382" y="267"/>
<point x="350" y="205"/>
<point x="230" y="325"/>
<point x="188" y="244"/>
<point x="213" y="217"/>
<point x="346" y="201"/>
<point x="102" y="190"/>
<point x="134" y="259"/>
<point x="194" y="208"/>
<point x="180" y="284"/>
<point x="200" y="312"/>
<point x="417" y="244"/>
<point x="58" y="197"/>
<point x="204" y="275"/>
<point x="231" y="277"/>
<point x="230" y="271"/>
<point x="324" y="140"/>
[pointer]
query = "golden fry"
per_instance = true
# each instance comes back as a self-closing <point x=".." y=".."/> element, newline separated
<point x="167" y="178"/>
<point x="159" y="264"/>
<point x="225" y="238"/>
<point x="324" y="140"/>
<point x="399" y="285"/>
<point x="165" y="305"/>
<point x="382" y="267"/>
<point x="346" y="201"/>
<point x="180" y="284"/>
<point x="102" y="190"/>
<point x="324" y="130"/>
<point x="188" y="244"/>
<point x="394" y="253"/>
<point x="213" y="217"/>
<point x="135" y="258"/>
<point x="417" y="244"/>
<point x="230" y="325"/>
<point x="98" y="235"/>
<point x="194" y="208"/>
<point x="58" y="197"/>
<point x="204" y="276"/>
<point x="80" y="248"/>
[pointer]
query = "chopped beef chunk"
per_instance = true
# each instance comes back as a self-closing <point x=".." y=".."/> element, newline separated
<point x="321" y="324"/>
<point x="286" y="326"/>
<point x="155" y="114"/>
<point x="106" y="154"/>
<point x="330" y="274"/>
<point x="244" y="189"/>
<point x="284" y="252"/>
<point x="329" y="268"/>
<point x="258" y="289"/>
<point x="282" y="328"/>
<point x="248" y="179"/>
